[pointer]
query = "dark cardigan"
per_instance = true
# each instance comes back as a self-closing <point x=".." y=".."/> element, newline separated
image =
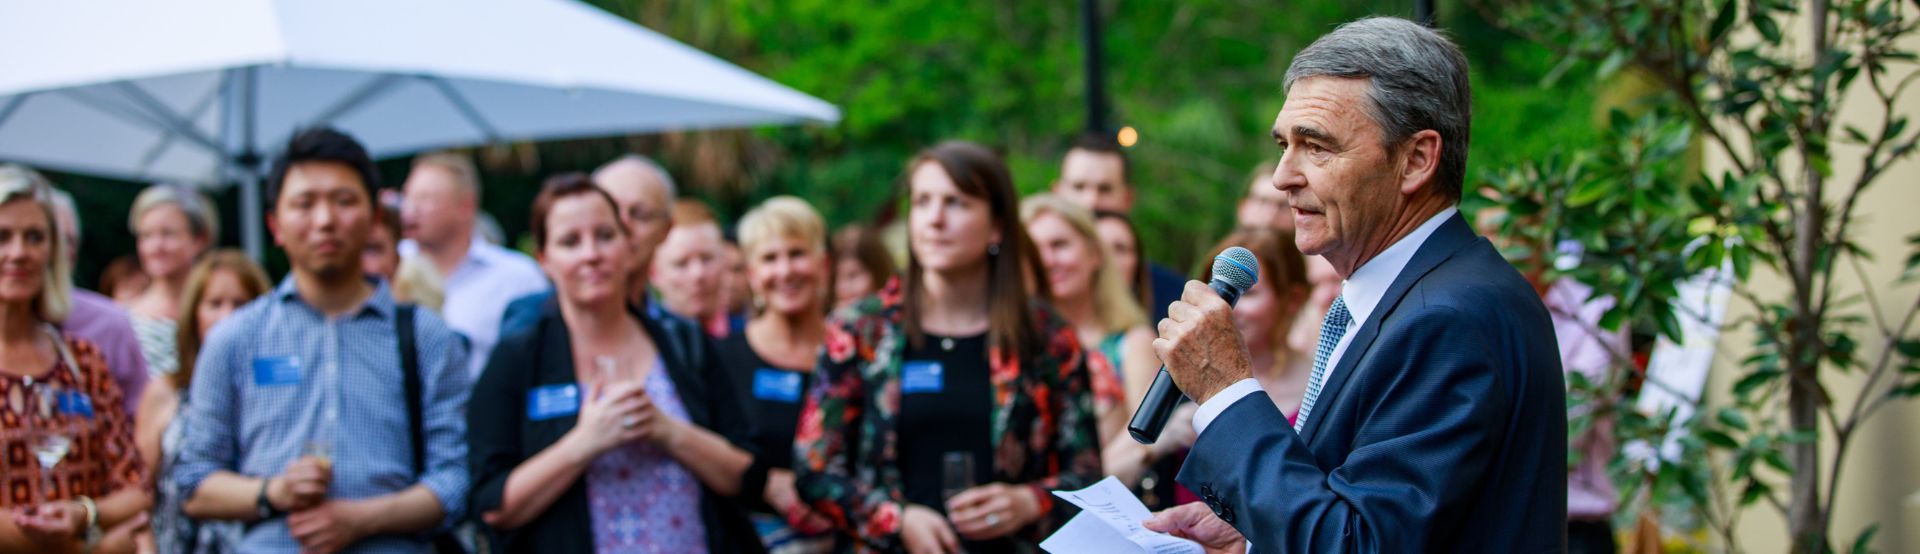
<point x="500" y="437"/>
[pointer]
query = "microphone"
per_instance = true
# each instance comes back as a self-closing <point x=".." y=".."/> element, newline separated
<point x="1234" y="271"/>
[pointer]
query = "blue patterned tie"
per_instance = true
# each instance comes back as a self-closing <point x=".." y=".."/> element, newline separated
<point x="1331" y="329"/>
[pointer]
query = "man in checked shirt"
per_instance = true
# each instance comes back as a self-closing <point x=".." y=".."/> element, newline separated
<point x="297" y="418"/>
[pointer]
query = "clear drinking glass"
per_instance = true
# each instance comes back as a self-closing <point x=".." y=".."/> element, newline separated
<point x="956" y="474"/>
<point x="53" y="443"/>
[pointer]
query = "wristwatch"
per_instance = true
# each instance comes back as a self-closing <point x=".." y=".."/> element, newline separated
<point x="262" y="506"/>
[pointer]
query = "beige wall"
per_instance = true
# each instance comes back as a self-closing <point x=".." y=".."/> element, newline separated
<point x="1881" y="477"/>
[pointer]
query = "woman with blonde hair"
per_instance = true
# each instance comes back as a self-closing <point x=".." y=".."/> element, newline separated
<point x="784" y="242"/>
<point x="220" y="284"/>
<point x="1092" y="294"/>
<point x="172" y="226"/>
<point x="58" y="397"/>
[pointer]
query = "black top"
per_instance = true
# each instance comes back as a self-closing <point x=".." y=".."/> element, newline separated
<point x="500" y="436"/>
<point x="771" y="397"/>
<point x="946" y="406"/>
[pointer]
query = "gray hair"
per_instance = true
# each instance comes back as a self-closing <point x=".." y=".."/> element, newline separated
<point x="56" y="283"/>
<point x="1417" y="80"/>
<point x="202" y="219"/>
<point x="666" y="179"/>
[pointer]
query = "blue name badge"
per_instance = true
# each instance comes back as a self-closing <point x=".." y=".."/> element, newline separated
<point x="276" y="371"/>
<point x="922" y="377"/>
<point x="551" y="401"/>
<point x="76" y="403"/>
<point x="773" y="385"/>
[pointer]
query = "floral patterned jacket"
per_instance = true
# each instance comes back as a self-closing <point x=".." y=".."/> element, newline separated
<point x="1044" y="429"/>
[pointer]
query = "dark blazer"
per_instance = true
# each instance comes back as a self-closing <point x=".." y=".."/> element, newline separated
<point x="500" y="437"/>
<point x="1442" y="429"/>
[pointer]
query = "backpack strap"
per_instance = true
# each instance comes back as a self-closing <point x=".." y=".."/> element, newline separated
<point x="410" y="368"/>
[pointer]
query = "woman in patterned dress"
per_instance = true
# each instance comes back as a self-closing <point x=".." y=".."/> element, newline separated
<point x="58" y="401"/>
<point x="946" y="408"/>
<point x="172" y="226"/>
<point x="600" y="429"/>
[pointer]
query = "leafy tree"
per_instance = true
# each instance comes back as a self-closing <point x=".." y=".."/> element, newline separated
<point x="1730" y="75"/>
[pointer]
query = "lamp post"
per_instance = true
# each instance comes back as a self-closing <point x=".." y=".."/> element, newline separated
<point x="1090" y="48"/>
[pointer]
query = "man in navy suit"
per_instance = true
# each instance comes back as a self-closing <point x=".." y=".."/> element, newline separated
<point x="1435" y="417"/>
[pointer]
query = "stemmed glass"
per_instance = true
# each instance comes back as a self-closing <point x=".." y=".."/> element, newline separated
<point x="51" y="447"/>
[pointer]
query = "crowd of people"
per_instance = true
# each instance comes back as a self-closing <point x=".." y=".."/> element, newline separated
<point x="649" y="379"/>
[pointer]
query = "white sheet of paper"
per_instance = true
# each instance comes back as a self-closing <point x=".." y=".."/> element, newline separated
<point x="1109" y="523"/>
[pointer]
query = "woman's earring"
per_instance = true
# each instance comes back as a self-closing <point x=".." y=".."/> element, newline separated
<point x="993" y="249"/>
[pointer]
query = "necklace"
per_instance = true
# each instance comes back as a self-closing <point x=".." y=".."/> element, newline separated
<point x="946" y="343"/>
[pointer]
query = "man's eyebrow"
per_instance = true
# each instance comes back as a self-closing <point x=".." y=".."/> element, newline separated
<point x="1310" y="132"/>
<point x="1316" y="134"/>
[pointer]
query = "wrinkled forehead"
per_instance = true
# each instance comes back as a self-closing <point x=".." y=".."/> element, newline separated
<point x="1327" y="105"/>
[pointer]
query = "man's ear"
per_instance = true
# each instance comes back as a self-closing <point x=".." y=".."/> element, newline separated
<point x="1420" y="161"/>
<point x="1126" y="197"/>
<point x="273" y="228"/>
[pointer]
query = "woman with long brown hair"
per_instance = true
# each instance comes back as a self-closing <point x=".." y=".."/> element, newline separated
<point x="221" y="283"/>
<point x="948" y="406"/>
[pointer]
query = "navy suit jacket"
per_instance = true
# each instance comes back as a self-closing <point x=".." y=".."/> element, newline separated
<point x="1443" y="427"/>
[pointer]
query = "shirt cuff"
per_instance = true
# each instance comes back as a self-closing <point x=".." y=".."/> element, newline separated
<point x="1220" y="401"/>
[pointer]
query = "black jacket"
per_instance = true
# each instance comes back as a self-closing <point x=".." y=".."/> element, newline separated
<point x="500" y="437"/>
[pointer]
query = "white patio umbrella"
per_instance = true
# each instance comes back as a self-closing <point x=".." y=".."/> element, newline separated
<point x="201" y="91"/>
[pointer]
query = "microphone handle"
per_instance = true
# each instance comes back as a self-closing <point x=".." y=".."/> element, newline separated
<point x="1155" y="408"/>
<point x="1163" y="395"/>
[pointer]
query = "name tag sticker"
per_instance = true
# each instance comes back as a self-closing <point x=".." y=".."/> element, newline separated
<point x="276" y="371"/>
<point x="76" y="403"/>
<point x="551" y="401"/>
<point x="773" y="385"/>
<point x="922" y="377"/>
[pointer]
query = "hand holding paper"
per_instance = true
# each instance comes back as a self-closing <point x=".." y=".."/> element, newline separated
<point x="1109" y="523"/>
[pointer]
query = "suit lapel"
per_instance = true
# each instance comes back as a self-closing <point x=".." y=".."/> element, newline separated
<point x="1449" y="238"/>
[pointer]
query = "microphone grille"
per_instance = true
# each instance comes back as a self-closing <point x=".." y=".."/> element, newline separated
<point x="1237" y="267"/>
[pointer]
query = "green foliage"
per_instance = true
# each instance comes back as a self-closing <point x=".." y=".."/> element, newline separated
<point x="1764" y="98"/>
<point x="1200" y="80"/>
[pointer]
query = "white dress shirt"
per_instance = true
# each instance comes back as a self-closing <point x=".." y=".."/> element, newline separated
<point x="1362" y="291"/>
<point x="478" y="292"/>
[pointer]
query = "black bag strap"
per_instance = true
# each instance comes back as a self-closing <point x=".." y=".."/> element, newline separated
<point x="410" y="367"/>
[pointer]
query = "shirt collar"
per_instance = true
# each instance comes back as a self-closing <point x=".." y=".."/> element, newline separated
<point x="1363" y="290"/>
<point x="480" y="253"/>
<point x="380" y="303"/>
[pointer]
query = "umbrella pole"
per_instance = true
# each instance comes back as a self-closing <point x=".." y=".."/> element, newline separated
<point x="250" y="212"/>
<point x="245" y="164"/>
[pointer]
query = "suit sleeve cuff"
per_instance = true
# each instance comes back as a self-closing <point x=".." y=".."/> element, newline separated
<point x="1221" y="401"/>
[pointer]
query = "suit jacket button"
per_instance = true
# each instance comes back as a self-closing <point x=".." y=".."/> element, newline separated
<point x="1225" y="513"/>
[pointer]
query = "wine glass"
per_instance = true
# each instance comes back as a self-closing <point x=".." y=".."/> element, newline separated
<point x="51" y="447"/>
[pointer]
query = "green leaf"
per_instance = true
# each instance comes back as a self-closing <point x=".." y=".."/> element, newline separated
<point x="1742" y="262"/>
<point x="1588" y="192"/>
<point x="1754" y="492"/>
<point x="1719" y="439"/>
<point x="1768" y="28"/>
<point x="1732" y="418"/>
<point x="1856" y="135"/>
<point x="1909" y="348"/>
<point x="1755" y="380"/>
<point x="1861" y="544"/>
<point x="1777" y="460"/>
<point x="1722" y="21"/>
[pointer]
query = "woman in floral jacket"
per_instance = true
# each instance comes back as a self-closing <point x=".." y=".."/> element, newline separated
<point x="946" y="408"/>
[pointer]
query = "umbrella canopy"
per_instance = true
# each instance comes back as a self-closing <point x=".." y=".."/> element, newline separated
<point x="200" y="91"/>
